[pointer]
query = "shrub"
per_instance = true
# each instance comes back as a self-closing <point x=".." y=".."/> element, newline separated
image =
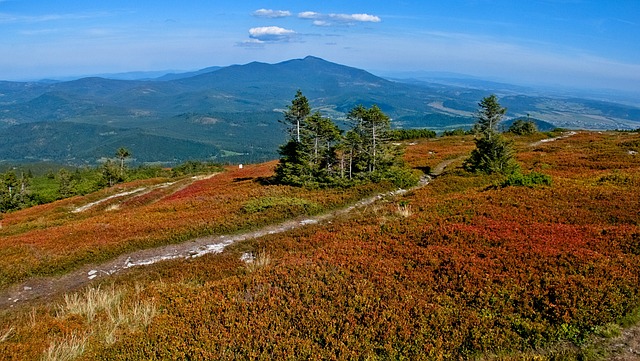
<point x="400" y="177"/>
<point x="523" y="127"/>
<point x="517" y="179"/>
<point x="459" y="131"/>
<point x="405" y="134"/>
<point x="194" y="167"/>
<point x="295" y="205"/>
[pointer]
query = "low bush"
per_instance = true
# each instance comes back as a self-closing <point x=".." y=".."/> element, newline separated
<point x="517" y="179"/>
<point x="454" y="132"/>
<point x="291" y="204"/>
<point x="400" y="177"/>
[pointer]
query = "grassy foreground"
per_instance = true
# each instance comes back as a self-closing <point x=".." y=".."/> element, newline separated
<point x="460" y="269"/>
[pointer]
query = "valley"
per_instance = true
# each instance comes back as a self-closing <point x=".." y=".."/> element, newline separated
<point x="231" y="114"/>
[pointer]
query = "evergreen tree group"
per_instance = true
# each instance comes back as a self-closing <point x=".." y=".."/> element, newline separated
<point x="14" y="190"/>
<point x="319" y="153"/>
<point x="523" y="127"/>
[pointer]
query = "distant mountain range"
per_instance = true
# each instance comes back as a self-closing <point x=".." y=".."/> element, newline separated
<point x="231" y="113"/>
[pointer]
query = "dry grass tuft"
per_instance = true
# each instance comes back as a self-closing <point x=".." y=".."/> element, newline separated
<point x="404" y="210"/>
<point x="68" y="349"/>
<point x="92" y="301"/>
<point x="6" y="334"/>
<point x="259" y="260"/>
<point x="108" y="314"/>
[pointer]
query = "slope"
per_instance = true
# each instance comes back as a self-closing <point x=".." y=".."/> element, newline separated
<point x="81" y="144"/>
<point x="456" y="270"/>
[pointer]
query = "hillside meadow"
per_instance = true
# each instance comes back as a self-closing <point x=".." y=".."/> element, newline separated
<point x="462" y="268"/>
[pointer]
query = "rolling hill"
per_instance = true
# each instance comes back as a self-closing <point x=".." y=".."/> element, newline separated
<point x="461" y="268"/>
<point x="234" y="110"/>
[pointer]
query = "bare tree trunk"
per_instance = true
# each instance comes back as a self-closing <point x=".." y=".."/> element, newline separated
<point x="315" y="152"/>
<point x="350" y="163"/>
<point x="374" y="147"/>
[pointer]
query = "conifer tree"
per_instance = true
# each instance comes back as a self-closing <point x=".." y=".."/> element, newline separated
<point x="122" y="154"/>
<point x="296" y="114"/>
<point x="321" y="134"/>
<point x="489" y="115"/>
<point x="372" y="127"/>
<point x="294" y="167"/>
<point x="493" y="153"/>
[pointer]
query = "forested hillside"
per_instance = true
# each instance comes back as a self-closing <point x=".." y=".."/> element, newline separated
<point x="231" y="114"/>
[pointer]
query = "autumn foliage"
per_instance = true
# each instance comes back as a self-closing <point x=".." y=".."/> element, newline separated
<point x="61" y="236"/>
<point x="473" y="270"/>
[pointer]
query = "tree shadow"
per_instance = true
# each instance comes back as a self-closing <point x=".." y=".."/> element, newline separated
<point x="242" y="179"/>
<point x="266" y="181"/>
<point x="426" y="169"/>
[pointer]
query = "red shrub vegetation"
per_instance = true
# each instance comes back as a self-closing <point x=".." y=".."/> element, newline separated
<point x="473" y="270"/>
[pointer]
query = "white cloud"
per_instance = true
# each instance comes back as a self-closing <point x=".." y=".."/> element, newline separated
<point x="320" y="19"/>
<point x="271" y="34"/>
<point x="365" y="18"/>
<point x="39" y="32"/>
<point x="272" y="14"/>
<point x="309" y="15"/>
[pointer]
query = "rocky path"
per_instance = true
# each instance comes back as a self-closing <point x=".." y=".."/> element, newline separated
<point x="46" y="287"/>
<point x="626" y="347"/>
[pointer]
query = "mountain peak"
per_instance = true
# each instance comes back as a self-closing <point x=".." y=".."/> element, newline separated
<point x="312" y="58"/>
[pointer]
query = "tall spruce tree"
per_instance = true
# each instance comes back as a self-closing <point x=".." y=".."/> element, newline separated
<point x="320" y="136"/>
<point x="296" y="114"/>
<point x="122" y="154"/>
<point x="490" y="113"/>
<point x="295" y="163"/>
<point x="493" y="153"/>
<point x="372" y="127"/>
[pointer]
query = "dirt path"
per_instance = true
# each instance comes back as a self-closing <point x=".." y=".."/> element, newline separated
<point x="626" y="347"/>
<point x="46" y="287"/>
<point x="547" y="140"/>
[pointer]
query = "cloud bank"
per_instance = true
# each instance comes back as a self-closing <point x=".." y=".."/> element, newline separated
<point x="275" y="34"/>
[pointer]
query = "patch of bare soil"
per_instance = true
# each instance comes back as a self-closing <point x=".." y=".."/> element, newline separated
<point x="625" y="347"/>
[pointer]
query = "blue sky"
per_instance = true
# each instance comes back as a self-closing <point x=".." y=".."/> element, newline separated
<point x="575" y="43"/>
